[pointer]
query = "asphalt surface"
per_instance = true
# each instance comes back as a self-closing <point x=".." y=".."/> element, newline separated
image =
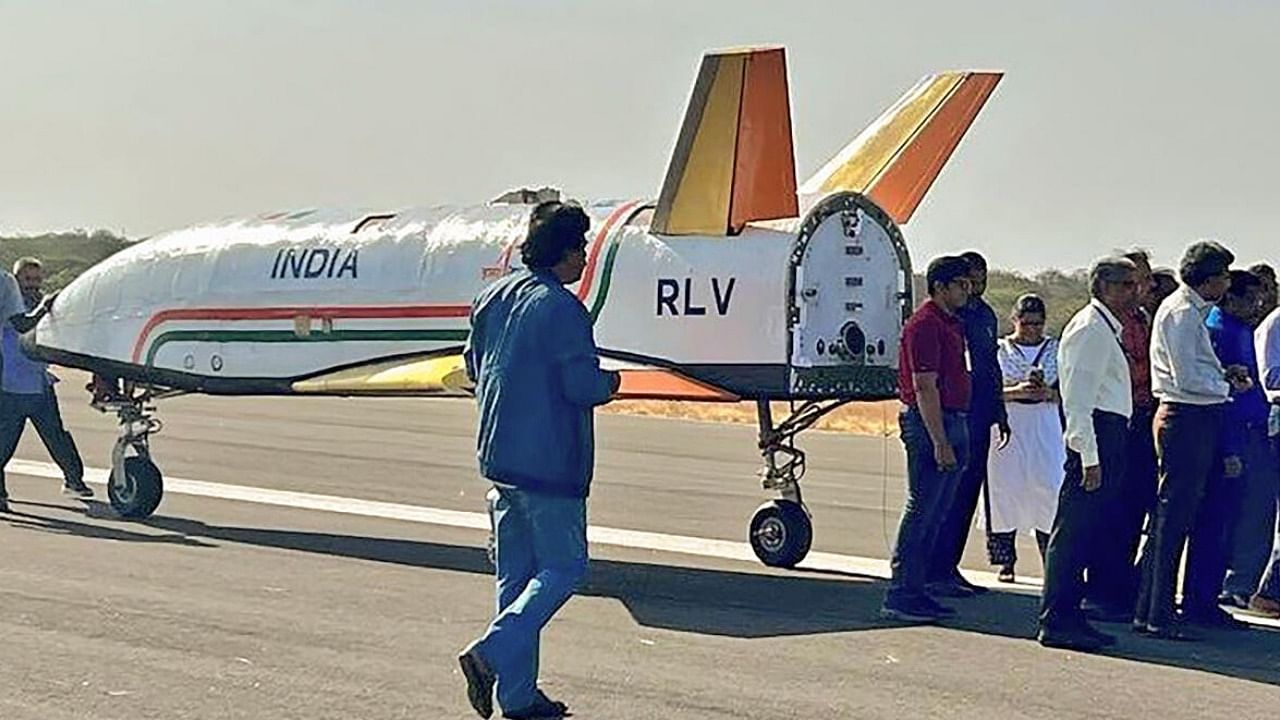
<point x="231" y="609"/>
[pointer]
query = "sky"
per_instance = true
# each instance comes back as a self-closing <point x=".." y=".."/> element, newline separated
<point x="1117" y="124"/>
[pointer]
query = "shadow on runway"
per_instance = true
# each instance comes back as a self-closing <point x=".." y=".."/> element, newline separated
<point x="758" y="604"/>
<point x="761" y="605"/>
<point x="19" y="518"/>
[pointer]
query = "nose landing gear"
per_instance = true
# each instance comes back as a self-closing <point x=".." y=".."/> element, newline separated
<point x="781" y="530"/>
<point x="135" y="486"/>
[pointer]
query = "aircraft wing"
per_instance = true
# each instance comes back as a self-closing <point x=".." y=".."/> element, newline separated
<point x="446" y="375"/>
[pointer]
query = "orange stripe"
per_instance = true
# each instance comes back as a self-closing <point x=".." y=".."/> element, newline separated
<point x="669" y="385"/>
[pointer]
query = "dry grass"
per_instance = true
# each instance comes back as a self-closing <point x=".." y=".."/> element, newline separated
<point x="870" y="418"/>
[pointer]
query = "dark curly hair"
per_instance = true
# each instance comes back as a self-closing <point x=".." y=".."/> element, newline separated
<point x="1028" y="304"/>
<point x="555" y="228"/>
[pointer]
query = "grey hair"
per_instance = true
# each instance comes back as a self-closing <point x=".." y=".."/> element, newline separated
<point x="1111" y="269"/>
<point x="25" y="262"/>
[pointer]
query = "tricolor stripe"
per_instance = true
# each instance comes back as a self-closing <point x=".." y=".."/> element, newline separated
<point x="354" y="312"/>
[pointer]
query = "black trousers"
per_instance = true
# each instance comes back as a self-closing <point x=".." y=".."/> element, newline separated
<point x="1113" y="572"/>
<point x="1186" y="443"/>
<point x="953" y="533"/>
<point x="1080" y="527"/>
<point x="42" y="410"/>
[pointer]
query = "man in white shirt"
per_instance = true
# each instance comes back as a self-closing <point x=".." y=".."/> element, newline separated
<point x="1097" y="401"/>
<point x="1192" y="387"/>
<point x="1266" y="601"/>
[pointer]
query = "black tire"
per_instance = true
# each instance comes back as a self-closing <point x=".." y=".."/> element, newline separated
<point x="781" y="533"/>
<point x="139" y="494"/>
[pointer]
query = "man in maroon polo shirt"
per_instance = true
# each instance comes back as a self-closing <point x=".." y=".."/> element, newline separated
<point x="933" y="382"/>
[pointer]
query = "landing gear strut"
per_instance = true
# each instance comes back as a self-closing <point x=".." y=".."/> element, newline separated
<point x="135" y="486"/>
<point x="781" y="531"/>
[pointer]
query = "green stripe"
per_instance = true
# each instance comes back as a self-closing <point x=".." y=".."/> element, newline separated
<point x="605" y="277"/>
<point x="288" y="336"/>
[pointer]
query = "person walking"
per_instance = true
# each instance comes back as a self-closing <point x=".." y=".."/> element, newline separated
<point x="538" y="377"/>
<point x="27" y="393"/>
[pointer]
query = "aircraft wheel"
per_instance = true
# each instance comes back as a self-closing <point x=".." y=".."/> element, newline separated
<point x="138" y="493"/>
<point x="781" y="533"/>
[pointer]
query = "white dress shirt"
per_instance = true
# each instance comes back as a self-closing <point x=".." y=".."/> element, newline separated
<point x="1266" y="342"/>
<point x="1184" y="368"/>
<point x="1095" y="376"/>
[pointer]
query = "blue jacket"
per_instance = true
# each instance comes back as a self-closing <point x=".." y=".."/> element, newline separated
<point x="1233" y="344"/>
<point x="538" y="377"/>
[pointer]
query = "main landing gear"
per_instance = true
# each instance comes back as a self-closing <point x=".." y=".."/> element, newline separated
<point x="135" y="486"/>
<point x="781" y="531"/>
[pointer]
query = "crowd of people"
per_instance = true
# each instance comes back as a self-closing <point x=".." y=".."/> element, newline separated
<point x="1147" y="432"/>
<point x="1155" y="414"/>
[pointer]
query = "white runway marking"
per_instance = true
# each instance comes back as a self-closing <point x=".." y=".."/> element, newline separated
<point x="636" y="539"/>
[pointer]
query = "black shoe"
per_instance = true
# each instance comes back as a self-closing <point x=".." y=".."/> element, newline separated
<point x="1213" y="617"/>
<point x="1239" y="602"/>
<point x="949" y="589"/>
<point x="480" y="682"/>
<point x="1106" y="613"/>
<point x="543" y="708"/>
<point x="942" y="611"/>
<point x="1171" y="632"/>
<point x="973" y="588"/>
<point x="1103" y="638"/>
<point x="1070" y="639"/>
<point x="919" y="611"/>
<point x="76" y="488"/>
<point x="564" y="707"/>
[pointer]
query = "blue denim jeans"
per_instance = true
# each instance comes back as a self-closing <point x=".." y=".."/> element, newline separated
<point x="1249" y="537"/>
<point x="930" y="492"/>
<point x="540" y="549"/>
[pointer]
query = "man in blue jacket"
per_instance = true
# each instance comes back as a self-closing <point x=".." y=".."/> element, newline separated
<point x="537" y="372"/>
<point x="1237" y="519"/>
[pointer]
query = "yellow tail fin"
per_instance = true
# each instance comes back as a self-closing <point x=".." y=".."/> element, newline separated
<point x="734" y="162"/>
<point x="897" y="158"/>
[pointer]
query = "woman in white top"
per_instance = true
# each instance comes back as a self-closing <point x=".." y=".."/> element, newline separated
<point x="1023" y="479"/>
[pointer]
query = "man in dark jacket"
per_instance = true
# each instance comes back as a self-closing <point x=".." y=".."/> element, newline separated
<point x="986" y="410"/>
<point x="538" y="377"/>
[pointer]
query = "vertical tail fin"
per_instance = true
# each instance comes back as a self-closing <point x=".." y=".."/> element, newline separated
<point x="897" y="158"/>
<point x="734" y="162"/>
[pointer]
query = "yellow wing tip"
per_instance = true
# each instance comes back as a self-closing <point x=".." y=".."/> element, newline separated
<point x="444" y="375"/>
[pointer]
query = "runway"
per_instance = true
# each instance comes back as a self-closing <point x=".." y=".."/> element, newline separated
<point x="323" y="558"/>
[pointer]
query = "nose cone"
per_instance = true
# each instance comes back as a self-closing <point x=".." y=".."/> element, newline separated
<point x="89" y="318"/>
